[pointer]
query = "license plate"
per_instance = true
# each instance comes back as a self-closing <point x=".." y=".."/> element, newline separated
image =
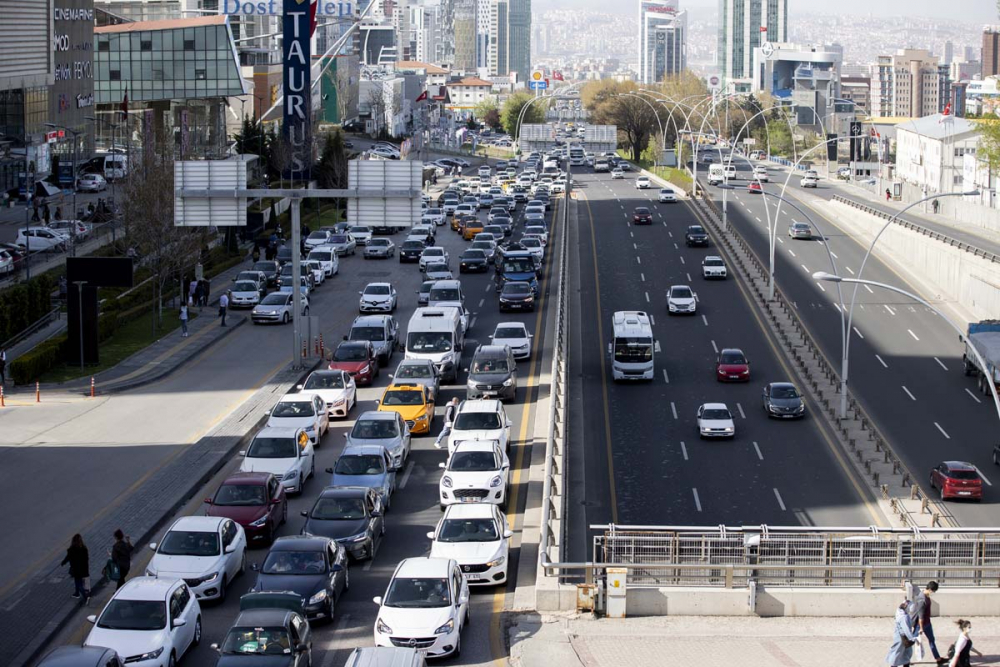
<point x="470" y="499"/>
<point x="965" y="493"/>
<point x="471" y="577"/>
<point x="487" y="394"/>
<point x="734" y="377"/>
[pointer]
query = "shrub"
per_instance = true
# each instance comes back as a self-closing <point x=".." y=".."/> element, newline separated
<point x="32" y="365"/>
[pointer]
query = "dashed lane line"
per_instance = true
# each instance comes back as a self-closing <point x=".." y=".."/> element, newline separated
<point x="881" y="362"/>
<point x="756" y="448"/>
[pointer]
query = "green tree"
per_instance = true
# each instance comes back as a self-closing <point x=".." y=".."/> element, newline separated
<point x="512" y="110"/>
<point x="635" y="115"/>
<point x="989" y="144"/>
<point x="471" y="123"/>
<point x="251" y="139"/>
<point x="485" y="106"/>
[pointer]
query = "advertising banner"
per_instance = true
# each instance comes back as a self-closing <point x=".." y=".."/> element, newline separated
<point x="297" y="105"/>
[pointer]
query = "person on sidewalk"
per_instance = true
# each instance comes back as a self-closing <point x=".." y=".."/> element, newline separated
<point x="903" y="639"/>
<point x="193" y="293"/>
<point x="888" y="194"/>
<point x="936" y="205"/>
<point x="184" y="320"/>
<point x="79" y="568"/>
<point x="255" y="255"/>
<point x="922" y="621"/>
<point x="3" y="366"/>
<point x="206" y="291"/>
<point x="962" y="648"/>
<point x="121" y="555"/>
<point x="223" y="307"/>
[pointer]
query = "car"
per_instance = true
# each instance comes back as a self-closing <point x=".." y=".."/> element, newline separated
<point x="533" y="244"/>
<point x="283" y="256"/>
<point x="411" y="249"/>
<point x="426" y="232"/>
<point x="715" y="421"/>
<point x="386" y="429"/>
<point x="492" y="373"/>
<point x="783" y="399"/>
<point x="642" y="183"/>
<point x="681" y="299"/>
<point x="760" y="174"/>
<point x="516" y="295"/>
<point x="472" y="227"/>
<point x="269" y="268"/>
<point x="254" y="500"/>
<point x="91" y="183"/>
<point x="245" y="294"/>
<point x="269" y="624"/>
<point x="381" y="330"/>
<point x="207" y="552"/>
<point x="297" y="411"/>
<point x="315" y="268"/>
<point x="800" y="230"/>
<point x="285" y="277"/>
<point x="474" y="260"/>
<point x="809" y="182"/>
<point x="81" y="656"/>
<point x="369" y="466"/>
<point x="316" y="239"/>
<point x="477" y="471"/>
<point x="380" y="248"/>
<point x="425" y="606"/>
<point x="8" y="262"/>
<point x="277" y="307"/>
<point x="484" y="172"/>
<point x="434" y="215"/>
<point x="412" y="402"/>
<point x="286" y="453"/>
<point x="696" y="236"/>
<point x="335" y="388"/>
<point x="541" y="231"/>
<point x="377" y="298"/>
<point x="732" y="366"/>
<point x="438" y="271"/>
<point x="476" y="536"/>
<point x="617" y="173"/>
<point x="41" y="239"/>
<point x="642" y="216"/>
<point x="483" y="419"/>
<point x="755" y="188"/>
<point x="713" y="267"/>
<point x="342" y="244"/>
<point x="624" y="165"/>
<point x="433" y="254"/>
<point x="361" y="234"/>
<point x="514" y="335"/>
<point x="77" y="230"/>
<point x="667" y="196"/>
<point x="419" y="371"/>
<point x="350" y="516"/>
<point x="327" y="257"/>
<point x="358" y="359"/>
<point x="485" y="200"/>
<point x="957" y="480"/>
<point x="148" y="620"/>
<point x="487" y="246"/>
<point x="467" y="208"/>
<point x="450" y="205"/>
<point x="505" y="223"/>
<point x="424" y="292"/>
<point x="313" y="568"/>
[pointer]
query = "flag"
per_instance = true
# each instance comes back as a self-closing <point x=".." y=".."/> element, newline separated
<point x="447" y="98"/>
<point x="763" y="28"/>
<point x="946" y="116"/>
<point x="124" y="105"/>
<point x="557" y="75"/>
<point x="312" y="17"/>
<point x="422" y="96"/>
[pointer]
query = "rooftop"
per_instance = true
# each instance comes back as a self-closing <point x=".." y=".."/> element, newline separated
<point x="416" y="64"/>
<point x="472" y="81"/>
<point x="167" y="24"/>
<point x="934" y="127"/>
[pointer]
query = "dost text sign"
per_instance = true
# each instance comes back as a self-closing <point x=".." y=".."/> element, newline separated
<point x="324" y="8"/>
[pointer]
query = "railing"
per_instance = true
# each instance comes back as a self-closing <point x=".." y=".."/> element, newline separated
<point x="37" y="326"/>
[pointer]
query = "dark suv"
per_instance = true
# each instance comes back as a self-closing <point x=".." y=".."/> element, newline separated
<point x="696" y="236"/>
<point x="410" y="251"/>
<point x="492" y="373"/>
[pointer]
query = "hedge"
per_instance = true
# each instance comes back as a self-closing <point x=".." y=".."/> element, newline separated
<point x="24" y="304"/>
<point x="31" y="365"/>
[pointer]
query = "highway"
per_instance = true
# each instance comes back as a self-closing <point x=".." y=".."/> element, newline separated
<point x="640" y="460"/>
<point x="415" y="505"/>
<point x="905" y="363"/>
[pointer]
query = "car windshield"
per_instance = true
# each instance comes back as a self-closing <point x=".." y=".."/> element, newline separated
<point x="474" y="253"/>
<point x="433" y="252"/>
<point x="713" y="262"/>
<point x="516" y="289"/>
<point x="257" y="641"/>
<point x="293" y="409"/>
<point x="418" y="593"/>
<point x="963" y="474"/>
<point x="473" y="462"/>
<point x="445" y="294"/>
<point x="509" y="332"/>
<point x="489" y="366"/>
<point x="328" y="509"/>
<point x="402" y="397"/>
<point x="134" y="615"/>
<point x="695" y="230"/>
<point x="680" y="293"/>
<point x="378" y="290"/>
<point x="534" y="229"/>
<point x="374" y="429"/>
<point x="477" y="421"/>
<point x="482" y="246"/>
<point x="531" y="243"/>
<point x="316" y="236"/>
<point x="518" y="265"/>
<point x="275" y="299"/>
<point x="320" y="256"/>
<point x="410" y="371"/>
<point x="360" y="464"/>
<point x="367" y="333"/>
<point x="633" y="350"/>
<point x="189" y="543"/>
<point x="230" y="495"/>
<point x="379" y="242"/>
<point x="294" y="562"/>
<point x="784" y="392"/>
<point x="272" y="448"/>
<point x="468" y="530"/>
<point x="716" y="413"/>
<point x="351" y="353"/>
<point x="324" y="381"/>
<point x="419" y="341"/>
<point x="641" y="211"/>
<point x="265" y="266"/>
<point x="245" y="286"/>
<point x="412" y="245"/>
<point x="339" y="238"/>
<point x="360" y="230"/>
<point x="732" y="358"/>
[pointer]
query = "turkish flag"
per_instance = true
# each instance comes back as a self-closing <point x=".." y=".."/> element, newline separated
<point x="422" y="96"/>
<point x="558" y="76"/>
<point x="312" y="17"/>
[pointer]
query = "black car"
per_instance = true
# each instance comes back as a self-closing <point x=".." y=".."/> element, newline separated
<point x="349" y="515"/>
<point x="642" y="216"/>
<point x="492" y="373"/>
<point x="696" y="236"/>
<point x="284" y="255"/>
<point x="473" y="260"/>
<point x="269" y="269"/>
<point x="504" y="223"/>
<point x="410" y="251"/>
<point x="516" y="295"/>
<point x="314" y="568"/>
<point x="782" y="399"/>
<point x="270" y="630"/>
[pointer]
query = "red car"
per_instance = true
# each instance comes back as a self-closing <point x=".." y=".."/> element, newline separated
<point x="755" y="188"/>
<point x="642" y="216"/>
<point x="957" y="479"/>
<point x="732" y="366"/>
<point x="358" y="358"/>
<point x="255" y="500"/>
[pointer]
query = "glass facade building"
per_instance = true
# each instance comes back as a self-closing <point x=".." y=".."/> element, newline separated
<point x="743" y="26"/>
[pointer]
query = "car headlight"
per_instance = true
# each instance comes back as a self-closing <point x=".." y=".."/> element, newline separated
<point x="339" y="402"/>
<point x="446" y="628"/>
<point x="318" y="597"/>
<point x="421" y="418"/>
<point x="310" y="429"/>
<point x="495" y="482"/>
<point x="508" y="382"/>
<point x="360" y="537"/>
<point x="729" y="429"/>
<point x="259" y="522"/>
<point x="446" y="482"/>
<point x="365" y="369"/>
<point x="382" y="627"/>
<point x="497" y="562"/>
<point x="291" y="474"/>
<point x="151" y="655"/>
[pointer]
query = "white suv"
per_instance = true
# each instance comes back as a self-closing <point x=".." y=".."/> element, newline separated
<point x="713" y="267"/>
<point x="476" y="535"/>
<point x="477" y="472"/>
<point x="480" y="419"/>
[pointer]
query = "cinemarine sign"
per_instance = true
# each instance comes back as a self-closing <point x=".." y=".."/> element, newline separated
<point x="324" y="8"/>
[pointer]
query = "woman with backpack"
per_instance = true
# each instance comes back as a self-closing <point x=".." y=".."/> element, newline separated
<point x="959" y="652"/>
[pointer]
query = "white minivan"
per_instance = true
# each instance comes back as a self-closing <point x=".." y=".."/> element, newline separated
<point x="437" y="334"/>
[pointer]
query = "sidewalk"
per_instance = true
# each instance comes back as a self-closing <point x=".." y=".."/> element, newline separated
<point x="581" y="641"/>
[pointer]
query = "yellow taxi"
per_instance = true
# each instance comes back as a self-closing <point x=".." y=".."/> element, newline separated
<point x="472" y="227"/>
<point x="413" y="403"/>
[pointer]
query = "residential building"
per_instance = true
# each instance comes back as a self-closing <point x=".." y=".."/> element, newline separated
<point x="806" y="78"/>
<point x="990" y="56"/>
<point x="983" y="96"/>
<point x="662" y="40"/>
<point x="378" y="44"/>
<point x="464" y="30"/>
<point x="949" y="53"/>
<point x="743" y="26"/>
<point x="519" y="34"/>
<point x="466" y="93"/>
<point x="857" y="90"/>
<point x="906" y="84"/>
<point x="964" y="70"/>
<point x="930" y="152"/>
<point x="959" y="91"/>
<point x="498" y="56"/>
<point x="434" y="76"/>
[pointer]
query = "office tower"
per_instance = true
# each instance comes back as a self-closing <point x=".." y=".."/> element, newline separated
<point x="991" y="51"/>
<point x="662" y="40"/>
<point x="497" y="60"/>
<point x="906" y="84"/>
<point x="743" y="26"/>
<point x="519" y="38"/>
<point x="464" y="31"/>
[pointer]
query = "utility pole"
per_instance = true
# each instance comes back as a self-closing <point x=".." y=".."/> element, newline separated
<point x="296" y="283"/>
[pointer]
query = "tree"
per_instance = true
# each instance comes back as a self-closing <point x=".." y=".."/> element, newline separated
<point x="512" y="112"/>
<point x="484" y="107"/>
<point x="620" y="104"/>
<point x="470" y="123"/>
<point x="988" y="150"/>
<point x="492" y="119"/>
<point x="251" y="139"/>
<point x="346" y="89"/>
<point x="331" y="168"/>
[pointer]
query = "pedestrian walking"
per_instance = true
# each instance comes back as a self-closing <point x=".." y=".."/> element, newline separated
<point x="3" y="366"/>
<point x="921" y="621"/>
<point x="184" y="320"/>
<point x="206" y="291"/>
<point x="79" y="568"/>
<point x="198" y="289"/>
<point x="223" y="306"/>
<point x="192" y="292"/>
<point x="121" y="556"/>
<point x="936" y="205"/>
<point x="903" y="639"/>
<point x="888" y="194"/>
<point x="59" y="212"/>
<point x="450" y="411"/>
<point x="960" y="651"/>
<point x="47" y="214"/>
<point x="255" y="255"/>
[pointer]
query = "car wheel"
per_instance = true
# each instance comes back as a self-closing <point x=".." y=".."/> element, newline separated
<point x="197" y="632"/>
<point x="243" y="562"/>
<point x="284" y="318"/>
<point x="173" y="660"/>
<point x="222" y="590"/>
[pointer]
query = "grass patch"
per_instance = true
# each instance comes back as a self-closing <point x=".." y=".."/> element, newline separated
<point x="131" y="338"/>
<point x="675" y="175"/>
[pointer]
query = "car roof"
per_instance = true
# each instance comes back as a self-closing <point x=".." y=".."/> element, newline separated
<point x="424" y="567"/>
<point x="294" y="398"/>
<point x="959" y="465"/>
<point x="715" y="406"/>
<point x="447" y="284"/>
<point x="247" y="478"/>
<point x="300" y="543"/>
<point x="363" y="450"/>
<point x="261" y="618"/>
<point x="480" y="405"/>
<point x="775" y="385"/>
<point x="731" y="349"/>
<point x="712" y="257"/>
<point x="277" y="432"/>
<point x="344" y="492"/>
<point x="673" y="287"/>
<point x="491" y="351"/>
<point x="405" y="386"/>
<point x="145" y="588"/>
<point x="415" y="362"/>
<point x="375" y="415"/>
<point x="469" y="511"/>
<point x="477" y="445"/>
<point x="369" y="320"/>
<point x="378" y="284"/>
<point x="198" y="523"/>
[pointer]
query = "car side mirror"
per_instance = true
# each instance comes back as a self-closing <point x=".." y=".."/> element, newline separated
<point x="255" y="567"/>
<point x="377" y="600"/>
<point x="152" y="545"/>
<point x="92" y="619"/>
<point x="243" y="452"/>
<point x="304" y="513"/>
<point x="178" y="622"/>
<point x="299" y="387"/>
<point x="337" y="568"/>
<point x="330" y="470"/>
<point x="214" y="647"/>
<point x="208" y="501"/>
<point x="231" y="548"/>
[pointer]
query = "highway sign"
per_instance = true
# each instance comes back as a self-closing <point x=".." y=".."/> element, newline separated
<point x="538" y="85"/>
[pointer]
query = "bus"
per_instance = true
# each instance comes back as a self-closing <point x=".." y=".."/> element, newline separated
<point x="632" y="347"/>
<point x="577" y="156"/>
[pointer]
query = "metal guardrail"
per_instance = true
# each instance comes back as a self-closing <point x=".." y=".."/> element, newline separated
<point x="961" y="245"/>
<point x="38" y="325"/>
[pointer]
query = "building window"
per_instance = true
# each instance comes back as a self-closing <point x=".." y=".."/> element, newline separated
<point x="146" y="45"/>
<point x="189" y="45"/>
<point x="200" y="74"/>
<point x="116" y="75"/>
<point x="104" y="45"/>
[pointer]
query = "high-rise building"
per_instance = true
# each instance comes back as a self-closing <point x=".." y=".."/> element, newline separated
<point x="482" y="33"/>
<point x="991" y="51"/>
<point x="423" y="20"/>
<point x="662" y="40"/>
<point x="519" y="40"/>
<point x="949" y="53"/>
<point x="906" y="84"/>
<point x="743" y="26"/>
<point x="464" y="31"/>
<point x="498" y="61"/>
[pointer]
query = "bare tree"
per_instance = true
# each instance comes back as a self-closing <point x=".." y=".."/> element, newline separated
<point x="379" y="104"/>
<point x="346" y="90"/>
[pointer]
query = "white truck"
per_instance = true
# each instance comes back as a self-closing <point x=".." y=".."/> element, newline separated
<point x="985" y="338"/>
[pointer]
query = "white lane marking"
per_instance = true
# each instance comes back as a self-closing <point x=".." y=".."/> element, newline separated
<point x="676" y="247"/>
<point x="781" y="240"/>
<point x="715" y="347"/>
<point x="974" y="397"/>
<point x="656" y="346"/>
<point x="689" y="277"/>
<point x="472" y="322"/>
<point x="859" y="333"/>
<point x="740" y="408"/>
<point x="673" y="409"/>
<point x="647" y="297"/>
<point x="481" y="302"/>
<point x="836" y="305"/>
<point x="913" y="334"/>
<point x="406" y="475"/>
<point x="791" y="252"/>
<point x="757" y="449"/>
<point x="820" y="285"/>
<point x="638" y="259"/>
<point x="881" y="362"/>
<point x="632" y="234"/>
<point x="834" y="255"/>
<point x="682" y="260"/>
<point x="343" y="621"/>
<point x="757" y="219"/>
<point x="642" y="277"/>
<point x="781" y="503"/>
<point x="487" y="288"/>
<point x="666" y="378"/>
<point x="912" y="397"/>
<point x="886" y="306"/>
<point x="870" y="291"/>
<point x="943" y="432"/>
<point x="697" y="501"/>
<point x="671" y="233"/>
<point x="705" y="320"/>
<point x="850" y="270"/>
<point x="804" y="267"/>
<point x="684" y="450"/>
<point x="983" y="477"/>
<point x="635" y="247"/>
<point x="652" y="320"/>
<point x="940" y="363"/>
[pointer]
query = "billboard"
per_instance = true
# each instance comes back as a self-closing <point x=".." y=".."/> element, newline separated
<point x="385" y="175"/>
<point x="205" y="211"/>
<point x="297" y="105"/>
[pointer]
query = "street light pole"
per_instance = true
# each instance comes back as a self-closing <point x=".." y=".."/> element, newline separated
<point x="79" y="288"/>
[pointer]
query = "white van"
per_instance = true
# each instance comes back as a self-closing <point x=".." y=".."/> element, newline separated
<point x="449" y="293"/>
<point x="437" y="334"/>
<point x="110" y="165"/>
<point x="716" y="174"/>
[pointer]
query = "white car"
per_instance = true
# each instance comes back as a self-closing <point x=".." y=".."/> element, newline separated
<point x="476" y="536"/>
<point x="336" y="389"/>
<point x="426" y="607"/>
<point x="713" y="267"/>
<point x="327" y="258"/>
<point x="41" y="239"/>
<point x="207" y="552"/>
<point x="6" y="263"/>
<point x="680" y="299"/>
<point x="466" y="209"/>
<point x="316" y="269"/>
<point x="559" y="186"/>
<point x="800" y="230"/>
<point x="381" y="247"/>
<point x="481" y="419"/>
<point x="433" y="254"/>
<point x="77" y="230"/>
<point x="148" y="621"/>
<point x="484" y="172"/>
<point x="809" y="182"/>
<point x="287" y="453"/>
<point x="91" y="183"/>
<point x="715" y="421"/>
<point x="434" y="216"/>
<point x="386" y="152"/>
<point x="305" y="412"/>
<point x="245" y="294"/>
<point x="617" y="173"/>
<point x="316" y="239"/>
<point x="642" y="183"/>
<point x="537" y="230"/>
<point x="760" y="174"/>
<point x="515" y="336"/>
<point x="449" y="206"/>
<point x="361" y="234"/>
<point x="477" y="471"/>
<point x="277" y="307"/>
<point x="534" y="244"/>
<point x="378" y="298"/>
<point x="667" y="196"/>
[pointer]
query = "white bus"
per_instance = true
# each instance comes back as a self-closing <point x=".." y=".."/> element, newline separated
<point x="577" y="156"/>
<point x="632" y="347"/>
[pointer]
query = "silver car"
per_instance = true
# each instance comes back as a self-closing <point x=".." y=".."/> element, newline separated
<point x="385" y="429"/>
<point x="419" y="371"/>
<point x="277" y="307"/>
<point x="381" y="248"/>
<point x="800" y="230"/>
